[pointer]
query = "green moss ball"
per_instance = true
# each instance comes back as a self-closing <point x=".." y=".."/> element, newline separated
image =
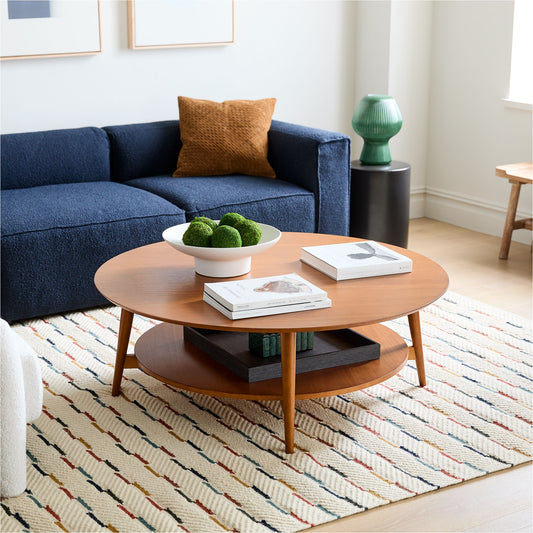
<point x="198" y="234"/>
<point x="211" y="223"/>
<point x="230" y="219"/>
<point x="226" y="237"/>
<point x="249" y="231"/>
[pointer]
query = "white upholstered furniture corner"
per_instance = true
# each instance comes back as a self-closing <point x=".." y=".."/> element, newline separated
<point x="21" y="400"/>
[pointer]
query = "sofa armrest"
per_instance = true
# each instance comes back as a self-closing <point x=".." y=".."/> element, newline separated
<point x="319" y="161"/>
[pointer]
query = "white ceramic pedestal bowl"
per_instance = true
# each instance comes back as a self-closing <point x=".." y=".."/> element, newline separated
<point x="222" y="262"/>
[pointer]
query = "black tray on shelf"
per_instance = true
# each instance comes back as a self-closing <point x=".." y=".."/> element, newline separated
<point x="331" y="348"/>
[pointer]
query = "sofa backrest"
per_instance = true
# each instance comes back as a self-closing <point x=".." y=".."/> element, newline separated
<point x="142" y="150"/>
<point x="55" y="156"/>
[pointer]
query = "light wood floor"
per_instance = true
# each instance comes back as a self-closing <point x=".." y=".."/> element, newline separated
<point x="471" y="260"/>
<point x="498" y="502"/>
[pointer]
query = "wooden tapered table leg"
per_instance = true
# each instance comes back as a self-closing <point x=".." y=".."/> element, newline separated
<point x="510" y="219"/>
<point x="126" y="319"/>
<point x="416" y="339"/>
<point x="288" y="377"/>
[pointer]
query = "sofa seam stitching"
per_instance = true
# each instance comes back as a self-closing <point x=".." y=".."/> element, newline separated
<point x="87" y="225"/>
<point x="258" y="201"/>
<point x="308" y="138"/>
<point x="340" y="137"/>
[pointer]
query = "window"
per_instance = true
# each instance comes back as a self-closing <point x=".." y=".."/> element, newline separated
<point x="521" y="82"/>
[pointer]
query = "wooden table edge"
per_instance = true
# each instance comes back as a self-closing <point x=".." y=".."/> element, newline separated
<point x="288" y="334"/>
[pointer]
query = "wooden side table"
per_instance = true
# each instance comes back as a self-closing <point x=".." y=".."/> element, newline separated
<point x="517" y="174"/>
<point x="379" y="202"/>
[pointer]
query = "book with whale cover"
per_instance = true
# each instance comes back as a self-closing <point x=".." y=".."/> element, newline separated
<point x="351" y="260"/>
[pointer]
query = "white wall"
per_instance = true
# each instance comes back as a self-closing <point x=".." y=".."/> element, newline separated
<point x="299" y="51"/>
<point x="470" y="129"/>
<point x="393" y="50"/>
<point x="446" y="63"/>
<point x="409" y="79"/>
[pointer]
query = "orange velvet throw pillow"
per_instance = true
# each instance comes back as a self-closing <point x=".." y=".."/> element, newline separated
<point x="224" y="138"/>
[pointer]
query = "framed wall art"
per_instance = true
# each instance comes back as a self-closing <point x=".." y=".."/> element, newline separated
<point x="177" y="23"/>
<point x="49" y="28"/>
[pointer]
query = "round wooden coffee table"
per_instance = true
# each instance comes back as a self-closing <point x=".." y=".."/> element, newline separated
<point x="159" y="282"/>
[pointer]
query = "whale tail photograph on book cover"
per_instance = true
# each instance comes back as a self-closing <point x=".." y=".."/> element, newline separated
<point x="356" y="260"/>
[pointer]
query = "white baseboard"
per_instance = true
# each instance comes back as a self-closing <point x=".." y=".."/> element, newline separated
<point x="464" y="211"/>
<point x="417" y="202"/>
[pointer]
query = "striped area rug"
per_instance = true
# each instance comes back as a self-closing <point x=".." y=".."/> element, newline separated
<point x="161" y="459"/>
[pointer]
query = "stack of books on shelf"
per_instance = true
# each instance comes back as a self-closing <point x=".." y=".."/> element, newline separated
<point x="272" y="295"/>
<point x="356" y="260"/>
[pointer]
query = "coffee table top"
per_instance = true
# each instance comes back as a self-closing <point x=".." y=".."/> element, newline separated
<point x="159" y="282"/>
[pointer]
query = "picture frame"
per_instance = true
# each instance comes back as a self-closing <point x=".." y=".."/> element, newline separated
<point x="180" y="23"/>
<point x="32" y="29"/>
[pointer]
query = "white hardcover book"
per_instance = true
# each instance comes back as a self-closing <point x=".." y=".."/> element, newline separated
<point x="265" y="311"/>
<point x="356" y="260"/>
<point x="256" y="293"/>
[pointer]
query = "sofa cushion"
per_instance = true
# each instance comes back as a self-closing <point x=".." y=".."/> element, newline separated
<point x="50" y="255"/>
<point x="142" y="150"/>
<point x="52" y="157"/>
<point x="277" y="202"/>
<point x="79" y="204"/>
<point x="224" y="138"/>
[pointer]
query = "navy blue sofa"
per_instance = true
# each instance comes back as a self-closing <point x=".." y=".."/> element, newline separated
<point x="72" y="199"/>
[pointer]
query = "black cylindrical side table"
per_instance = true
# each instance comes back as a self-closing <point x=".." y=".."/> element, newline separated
<point x="379" y="202"/>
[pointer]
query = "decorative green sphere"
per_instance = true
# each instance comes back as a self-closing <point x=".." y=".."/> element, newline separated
<point x="198" y="234"/>
<point x="376" y="119"/>
<point x="226" y="237"/>
<point x="211" y="223"/>
<point x="230" y="219"/>
<point x="250" y="232"/>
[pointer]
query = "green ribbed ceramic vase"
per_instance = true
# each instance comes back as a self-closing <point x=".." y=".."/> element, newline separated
<point x="376" y="119"/>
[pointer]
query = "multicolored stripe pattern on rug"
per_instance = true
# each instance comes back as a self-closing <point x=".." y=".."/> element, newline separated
<point x="161" y="459"/>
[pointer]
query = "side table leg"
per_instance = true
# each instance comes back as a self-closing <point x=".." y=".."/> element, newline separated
<point x="126" y="320"/>
<point x="509" y="219"/>
<point x="288" y="377"/>
<point x="416" y="339"/>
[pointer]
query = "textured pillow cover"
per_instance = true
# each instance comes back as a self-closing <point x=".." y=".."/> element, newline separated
<point x="224" y="138"/>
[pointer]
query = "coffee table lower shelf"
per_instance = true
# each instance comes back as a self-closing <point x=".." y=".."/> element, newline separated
<point x="162" y="353"/>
